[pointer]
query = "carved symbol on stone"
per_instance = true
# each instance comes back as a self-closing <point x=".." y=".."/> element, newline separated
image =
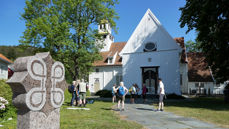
<point x="57" y="75"/>
<point x="36" y="97"/>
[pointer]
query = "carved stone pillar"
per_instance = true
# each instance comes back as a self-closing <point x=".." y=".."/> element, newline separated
<point x="38" y="85"/>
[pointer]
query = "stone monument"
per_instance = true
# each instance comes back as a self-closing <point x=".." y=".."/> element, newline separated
<point x="38" y="85"/>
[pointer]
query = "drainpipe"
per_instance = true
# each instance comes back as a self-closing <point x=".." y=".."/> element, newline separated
<point x="212" y="74"/>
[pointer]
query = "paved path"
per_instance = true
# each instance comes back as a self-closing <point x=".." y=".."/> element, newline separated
<point x="143" y="114"/>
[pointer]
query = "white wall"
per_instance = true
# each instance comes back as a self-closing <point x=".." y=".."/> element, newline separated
<point x="207" y="86"/>
<point x="3" y="70"/>
<point x="106" y="75"/>
<point x="184" y="73"/>
<point x="168" y="62"/>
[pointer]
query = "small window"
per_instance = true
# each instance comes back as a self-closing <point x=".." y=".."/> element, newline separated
<point x="1" y="69"/>
<point x="180" y="79"/>
<point x="202" y="84"/>
<point x="101" y="26"/>
<point x="96" y="70"/>
<point x="149" y="59"/>
<point x="150" y="47"/>
<point x="110" y="60"/>
<point x="196" y="84"/>
<point x="104" y="36"/>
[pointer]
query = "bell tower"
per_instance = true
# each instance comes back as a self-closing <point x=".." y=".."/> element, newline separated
<point x="104" y="30"/>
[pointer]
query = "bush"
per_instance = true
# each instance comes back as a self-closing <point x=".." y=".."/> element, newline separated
<point x="6" y="92"/>
<point x="104" y="93"/>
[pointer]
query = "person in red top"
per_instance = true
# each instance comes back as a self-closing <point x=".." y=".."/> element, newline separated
<point x="144" y="91"/>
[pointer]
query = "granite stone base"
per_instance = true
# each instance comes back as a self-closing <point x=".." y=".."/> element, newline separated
<point x="38" y="120"/>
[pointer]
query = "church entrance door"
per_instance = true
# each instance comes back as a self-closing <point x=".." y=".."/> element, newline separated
<point x="149" y="78"/>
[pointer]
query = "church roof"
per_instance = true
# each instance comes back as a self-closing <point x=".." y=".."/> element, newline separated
<point x="198" y="70"/>
<point x="5" y="59"/>
<point x="115" y="48"/>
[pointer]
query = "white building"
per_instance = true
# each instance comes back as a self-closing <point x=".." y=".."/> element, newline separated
<point x="149" y="53"/>
<point x="4" y="62"/>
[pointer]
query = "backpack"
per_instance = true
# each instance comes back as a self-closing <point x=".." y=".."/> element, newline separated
<point x="130" y="90"/>
<point x="121" y="91"/>
<point x="71" y="88"/>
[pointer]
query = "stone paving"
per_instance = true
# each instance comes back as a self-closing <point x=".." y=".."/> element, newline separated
<point x="146" y="115"/>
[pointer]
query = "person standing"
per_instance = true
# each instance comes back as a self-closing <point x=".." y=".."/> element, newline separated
<point x="132" y="93"/>
<point x="74" y="93"/>
<point x="161" y="95"/>
<point x="144" y="91"/>
<point x="121" y="93"/>
<point x="114" y="93"/>
<point x="137" y="89"/>
<point x="82" y="93"/>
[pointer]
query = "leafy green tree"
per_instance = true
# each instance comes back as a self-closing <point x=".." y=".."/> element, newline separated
<point x="210" y="18"/>
<point x="65" y="29"/>
<point x="192" y="46"/>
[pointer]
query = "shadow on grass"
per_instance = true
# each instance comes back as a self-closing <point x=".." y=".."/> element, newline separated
<point x="210" y="103"/>
<point x="107" y="108"/>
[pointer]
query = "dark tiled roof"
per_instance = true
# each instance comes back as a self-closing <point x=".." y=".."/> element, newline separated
<point x="2" y="57"/>
<point x="180" y="41"/>
<point x="198" y="70"/>
<point x="115" y="47"/>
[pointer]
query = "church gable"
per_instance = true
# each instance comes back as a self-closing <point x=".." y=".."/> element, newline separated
<point x="149" y="31"/>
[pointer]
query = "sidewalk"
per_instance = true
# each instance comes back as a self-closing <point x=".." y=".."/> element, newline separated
<point x="144" y="115"/>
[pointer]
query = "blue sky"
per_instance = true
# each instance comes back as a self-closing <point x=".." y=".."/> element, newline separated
<point x="129" y="11"/>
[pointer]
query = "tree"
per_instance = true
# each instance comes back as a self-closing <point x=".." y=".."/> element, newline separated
<point x="192" y="46"/>
<point x="210" y="18"/>
<point x="65" y="28"/>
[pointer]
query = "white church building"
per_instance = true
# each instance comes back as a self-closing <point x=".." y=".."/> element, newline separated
<point x="149" y="54"/>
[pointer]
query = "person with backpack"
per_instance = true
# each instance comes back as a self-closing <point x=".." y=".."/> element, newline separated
<point x="132" y="91"/>
<point x="121" y="93"/>
<point x="73" y="90"/>
<point x="144" y="91"/>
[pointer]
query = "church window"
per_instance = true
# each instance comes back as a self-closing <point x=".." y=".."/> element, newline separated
<point x="97" y="70"/>
<point x="150" y="47"/>
<point x="104" y="36"/>
<point x="101" y="26"/>
<point x="110" y="60"/>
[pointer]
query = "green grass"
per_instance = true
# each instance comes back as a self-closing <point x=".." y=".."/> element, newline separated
<point x="100" y="116"/>
<point x="210" y="109"/>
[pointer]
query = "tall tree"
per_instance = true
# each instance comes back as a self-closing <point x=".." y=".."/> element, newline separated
<point x="65" y="28"/>
<point x="192" y="46"/>
<point x="211" y="19"/>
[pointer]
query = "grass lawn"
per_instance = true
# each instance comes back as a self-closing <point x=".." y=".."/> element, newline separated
<point x="210" y="109"/>
<point x="100" y="116"/>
